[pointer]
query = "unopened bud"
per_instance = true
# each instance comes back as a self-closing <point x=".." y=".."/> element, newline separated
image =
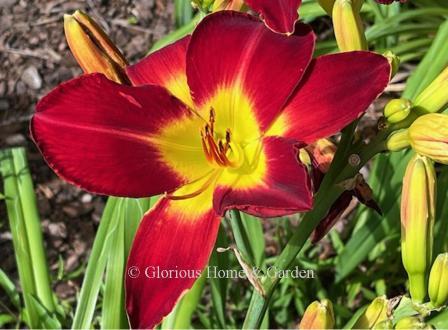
<point x="236" y="5"/>
<point x="438" y="281"/>
<point x="92" y="48"/>
<point x="397" y="109"/>
<point x="376" y="313"/>
<point x="318" y="315"/>
<point x="428" y="136"/>
<point x="386" y="325"/>
<point x="393" y="60"/>
<point x="435" y="96"/>
<point x="348" y="28"/>
<point x="411" y="322"/>
<point x="417" y="222"/>
<point x="398" y="140"/>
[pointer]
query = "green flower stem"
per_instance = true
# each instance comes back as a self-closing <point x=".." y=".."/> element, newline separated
<point x="241" y="238"/>
<point x="328" y="193"/>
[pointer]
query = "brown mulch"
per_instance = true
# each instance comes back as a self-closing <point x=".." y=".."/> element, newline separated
<point x="34" y="58"/>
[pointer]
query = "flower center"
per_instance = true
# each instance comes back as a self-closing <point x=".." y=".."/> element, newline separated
<point x="219" y="151"/>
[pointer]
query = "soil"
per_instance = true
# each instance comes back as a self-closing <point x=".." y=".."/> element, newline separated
<point x="34" y="58"/>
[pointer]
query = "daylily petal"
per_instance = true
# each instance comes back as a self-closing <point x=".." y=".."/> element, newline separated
<point x="279" y="15"/>
<point x="336" y="89"/>
<point x="165" y="67"/>
<point x="235" y="55"/>
<point x="102" y="136"/>
<point x="175" y="236"/>
<point x="283" y="188"/>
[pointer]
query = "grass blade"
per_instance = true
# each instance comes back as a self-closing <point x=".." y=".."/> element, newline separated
<point x="41" y="272"/>
<point x="10" y="289"/>
<point x="95" y="269"/>
<point x="127" y="215"/>
<point x="435" y="60"/>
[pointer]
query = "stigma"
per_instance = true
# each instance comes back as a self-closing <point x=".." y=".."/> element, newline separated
<point x="217" y="151"/>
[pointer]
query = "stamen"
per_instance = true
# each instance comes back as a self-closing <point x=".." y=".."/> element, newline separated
<point x="195" y="193"/>
<point x="215" y="152"/>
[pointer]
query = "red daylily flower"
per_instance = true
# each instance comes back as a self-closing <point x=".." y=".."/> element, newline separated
<point x="212" y="122"/>
<point x="280" y="15"/>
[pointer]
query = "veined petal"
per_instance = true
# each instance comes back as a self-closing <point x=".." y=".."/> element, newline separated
<point x="114" y="139"/>
<point x="336" y="89"/>
<point x="165" y="67"/>
<point x="176" y="236"/>
<point x="278" y="185"/>
<point x="235" y="53"/>
<point x="280" y="15"/>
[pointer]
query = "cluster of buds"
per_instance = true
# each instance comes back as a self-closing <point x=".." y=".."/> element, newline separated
<point x="92" y="48"/>
<point x="318" y="315"/>
<point x="417" y="222"/>
<point x="420" y="126"/>
<point x="376" y="315"/>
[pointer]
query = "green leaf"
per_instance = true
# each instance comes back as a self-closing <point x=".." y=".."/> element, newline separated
<point x="254" y="229"/>
<point x="440" y="321"/>
<point x="435" y="60"/>
<point x="351" y="323"/>
<point x="95" y="269"/>
<point x="47" y="319"/>
<point x="6" y="319"/>
<point x="219" y="286"/>
<point x="33" y="229"/>
<point x="113" y="312"/>
<point x="404" y="309"/>
<point x="25" y="230"/>
<point x="180" y="317"/>
<point x="10" y="289"/>
<point x="183" y="12"/>
<point x="178" y="34"/>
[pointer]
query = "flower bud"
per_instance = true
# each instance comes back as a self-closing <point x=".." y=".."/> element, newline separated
<point x="398" y="140"/>
<point x="397" y="109"/>
<point x="393" y="60"/>
<point x="435" y="96"/>
<point x="417" y="222"/>
<point x="376" y="313"/>
<point x="348" y="28"/>
<point x="438" y="281"/>
<point x="411" y="322"/>
<point x="203" y="5"/>
<point x="318" y="315"/>
<point x="386" y="324"/>
<point x="92" y="48"/>
<point x="428" y="136"/>
<point x="236" y="5"/>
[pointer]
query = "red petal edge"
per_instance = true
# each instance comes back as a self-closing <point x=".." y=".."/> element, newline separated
<point x="166" y="240"/>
